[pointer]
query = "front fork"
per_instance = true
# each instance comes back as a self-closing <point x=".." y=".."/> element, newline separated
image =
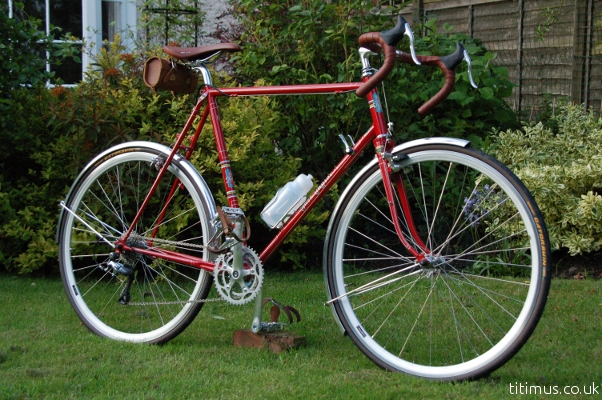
<point x="390" y="165"/>
<point x="391" y="170"/>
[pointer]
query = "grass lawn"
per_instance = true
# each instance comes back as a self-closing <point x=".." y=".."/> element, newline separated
<point x="46" y="353"/>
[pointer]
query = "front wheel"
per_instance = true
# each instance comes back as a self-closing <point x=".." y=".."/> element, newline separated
<point x="130" y="296"/>
<point x="480" y="290"/>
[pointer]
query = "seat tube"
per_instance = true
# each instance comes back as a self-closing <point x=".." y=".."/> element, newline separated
<point x="222" y="153"/>
<point x="220" y="143"/>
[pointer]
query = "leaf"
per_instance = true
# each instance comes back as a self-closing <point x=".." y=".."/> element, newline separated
<point x="456" y="96"/>
<point x="467" y="100"/>
<point x="487" y="93"/>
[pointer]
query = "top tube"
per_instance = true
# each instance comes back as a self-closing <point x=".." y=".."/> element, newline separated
<point x="319" y="88"/>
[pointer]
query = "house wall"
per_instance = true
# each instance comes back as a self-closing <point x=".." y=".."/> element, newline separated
<point x="215" y="15"/>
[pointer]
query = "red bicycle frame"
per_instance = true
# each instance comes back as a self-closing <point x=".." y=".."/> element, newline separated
<point x="378" y="134"/>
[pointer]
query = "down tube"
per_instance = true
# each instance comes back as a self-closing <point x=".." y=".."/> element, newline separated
<point x="342" y="167"/>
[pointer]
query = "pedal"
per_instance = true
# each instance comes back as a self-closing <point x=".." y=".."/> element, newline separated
<point x="275" y="311"/>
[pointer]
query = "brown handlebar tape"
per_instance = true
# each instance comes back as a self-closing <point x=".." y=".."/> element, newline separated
<point x="389" y="61"/>
<point x="374" y="42"/>
<point x="448" y="86"/>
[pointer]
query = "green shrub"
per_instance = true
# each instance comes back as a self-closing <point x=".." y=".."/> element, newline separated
<point x="467" y="112"/>
<point x="53" y="134"/>
<point x="111" y="106"/>
<point x="313" y="41"/>
<point x="26" y="217"/>
<point x="563" y="170"/>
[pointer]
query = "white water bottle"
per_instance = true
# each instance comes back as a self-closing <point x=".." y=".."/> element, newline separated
<point x="287" y="200"/>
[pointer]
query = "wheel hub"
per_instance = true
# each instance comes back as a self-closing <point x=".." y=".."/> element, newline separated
<point x="434" y="265"/>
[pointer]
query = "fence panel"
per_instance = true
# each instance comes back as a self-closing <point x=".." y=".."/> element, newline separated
<point x="551" y="48"/>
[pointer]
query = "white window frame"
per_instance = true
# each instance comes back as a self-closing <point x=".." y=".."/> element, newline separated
<point x="91" y="34"/>
<point x="92" y="26"/>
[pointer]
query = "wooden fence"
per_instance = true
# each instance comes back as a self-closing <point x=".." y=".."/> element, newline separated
<point x="552" y="48"/>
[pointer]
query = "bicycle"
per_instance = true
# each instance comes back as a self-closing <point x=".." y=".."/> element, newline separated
<point x="435" y="258"/>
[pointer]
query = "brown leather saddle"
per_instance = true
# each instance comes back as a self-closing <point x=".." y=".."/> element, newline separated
<point x="201" y="52"/>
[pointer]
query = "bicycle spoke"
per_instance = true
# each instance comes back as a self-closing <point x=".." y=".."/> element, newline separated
<point x="472" y="284"/>
<point x="377" y="283"/>
<point x="124" y="294"/>
<point x="467" y="294"/>
<point x="415" y="322"/>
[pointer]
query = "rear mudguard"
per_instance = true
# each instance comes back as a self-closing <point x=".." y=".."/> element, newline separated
<point x="161" y="150"/>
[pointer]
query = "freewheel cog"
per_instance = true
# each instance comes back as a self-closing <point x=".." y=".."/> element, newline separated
<point x="238" y="288"/>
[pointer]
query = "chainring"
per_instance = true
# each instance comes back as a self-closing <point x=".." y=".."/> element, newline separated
<point x="240" y="289"/>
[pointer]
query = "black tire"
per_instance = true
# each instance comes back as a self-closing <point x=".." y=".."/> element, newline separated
<point x="164" y="296"/>
<point x="475" y="303"/>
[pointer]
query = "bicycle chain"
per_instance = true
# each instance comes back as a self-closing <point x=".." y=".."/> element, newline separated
<point x="164" y="303"/>
<point x="185" y="245"/>
<point x="174" y="243"/>
<point x="249" y="252"/>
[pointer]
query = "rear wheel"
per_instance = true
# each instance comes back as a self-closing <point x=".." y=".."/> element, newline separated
<point x="478" y="295"/>
<point x="130" y="296"/>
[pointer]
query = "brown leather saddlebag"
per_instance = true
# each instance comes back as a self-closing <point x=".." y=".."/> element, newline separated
<point x="162" y="74"/>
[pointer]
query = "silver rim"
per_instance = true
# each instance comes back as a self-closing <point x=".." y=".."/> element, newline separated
<point x="162" y="294"/>
<point x="468" y="310"/>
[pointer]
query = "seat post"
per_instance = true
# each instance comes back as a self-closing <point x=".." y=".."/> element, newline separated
<point x="205" y="74"/>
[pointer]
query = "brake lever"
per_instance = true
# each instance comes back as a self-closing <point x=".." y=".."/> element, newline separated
<point x="394" y="36"/>
<point x="408" y="32"/>
<point x="469" y="62"/>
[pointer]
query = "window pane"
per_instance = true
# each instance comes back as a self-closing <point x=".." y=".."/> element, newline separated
<point x="67" y="15"/>
<point x="64" y="14"/>
<point x="36" y="9"/>
<point x="111" y="19"/>
<point x="69" y="71"/>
